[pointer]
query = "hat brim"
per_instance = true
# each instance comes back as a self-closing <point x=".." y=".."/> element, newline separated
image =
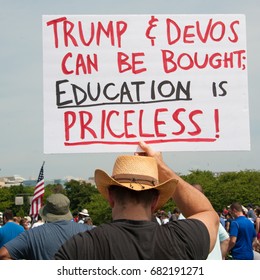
<point x="49" y="217"/>
<point x="84" y="214"/>
<point x="166" y="189"/>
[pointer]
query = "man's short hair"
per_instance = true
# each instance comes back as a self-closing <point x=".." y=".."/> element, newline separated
<point x="8" y="215"/>
<point x="124" y="195"/>
<point x="236" y="206"/>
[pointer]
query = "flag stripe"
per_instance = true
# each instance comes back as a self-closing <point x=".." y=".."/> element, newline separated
<point x="38" y="192"/>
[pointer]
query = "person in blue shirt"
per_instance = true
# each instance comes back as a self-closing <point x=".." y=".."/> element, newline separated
<point x="242" y="234"/>
<point x="10" y="229"/>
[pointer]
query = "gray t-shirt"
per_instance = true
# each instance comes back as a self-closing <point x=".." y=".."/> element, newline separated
<point x="41" y="243"/>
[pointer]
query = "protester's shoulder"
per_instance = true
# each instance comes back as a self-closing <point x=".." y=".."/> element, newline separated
<point x="14" y="226"/>
<point x="19" y="239"/>
<point x="79" y="226"/>
<point x="244" y="220"/>
<point x="21" y="228"/>
<point x="187" y="226"/>
<point x="185" y="222"/>
<point x="61" y="224"/>
<point x="103" y="228"/>
<point x="191" y="232"/>
<point x="129" y="225"/>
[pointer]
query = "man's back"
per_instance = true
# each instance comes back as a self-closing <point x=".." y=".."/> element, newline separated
<point x="44" y="241"/>
<point x="9" y="231"/>
<point x="128" y="239"/>
<point x="243" y="229"/>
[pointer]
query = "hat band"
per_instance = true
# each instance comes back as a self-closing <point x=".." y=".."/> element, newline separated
<point x="135" y="178"/>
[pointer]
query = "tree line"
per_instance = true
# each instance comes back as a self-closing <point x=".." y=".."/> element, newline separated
<point x="221" y="189"/>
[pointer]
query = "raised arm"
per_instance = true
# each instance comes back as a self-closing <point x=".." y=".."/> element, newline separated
<point x="192" y="203"/>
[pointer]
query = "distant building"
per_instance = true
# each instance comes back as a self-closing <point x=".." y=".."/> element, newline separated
<point x="9" y="181"/>
<point x="29" y="183"/>
<point x="17" y="180"/>
<point x="33" y="182"/>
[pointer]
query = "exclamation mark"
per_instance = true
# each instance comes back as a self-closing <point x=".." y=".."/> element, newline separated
<point x="216" y="117"/>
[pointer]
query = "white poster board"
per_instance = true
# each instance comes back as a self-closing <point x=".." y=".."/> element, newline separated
<point x="178" y="82"/>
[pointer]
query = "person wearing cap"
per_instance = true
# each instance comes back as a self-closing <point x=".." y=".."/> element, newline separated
<point x="138" y="187"/>
<point x="83" y="215"/>
<point x="41" y="243"/>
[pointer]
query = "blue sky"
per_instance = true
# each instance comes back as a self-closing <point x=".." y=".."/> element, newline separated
<point x="21" y="92"/>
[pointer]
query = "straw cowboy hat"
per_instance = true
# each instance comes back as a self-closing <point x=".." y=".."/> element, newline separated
<point x="137" y="173"/>
<point x="56" y="208"/>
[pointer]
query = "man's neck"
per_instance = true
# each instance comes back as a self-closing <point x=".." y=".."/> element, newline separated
<point x="131" y="212"/>
<point x="239" y="214"/>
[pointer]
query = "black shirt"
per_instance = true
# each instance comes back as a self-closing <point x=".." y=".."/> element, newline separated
<point x="136" y="240"/>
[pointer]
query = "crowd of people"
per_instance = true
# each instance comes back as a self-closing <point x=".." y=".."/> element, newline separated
<point x="137" y="190"/>
<point x="231" y="239"/>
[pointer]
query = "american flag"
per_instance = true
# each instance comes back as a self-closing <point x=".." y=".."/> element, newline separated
<point x="38" y="195"/>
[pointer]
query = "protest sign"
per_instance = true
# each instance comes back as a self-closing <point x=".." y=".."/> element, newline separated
<point x="178" y="82"/>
